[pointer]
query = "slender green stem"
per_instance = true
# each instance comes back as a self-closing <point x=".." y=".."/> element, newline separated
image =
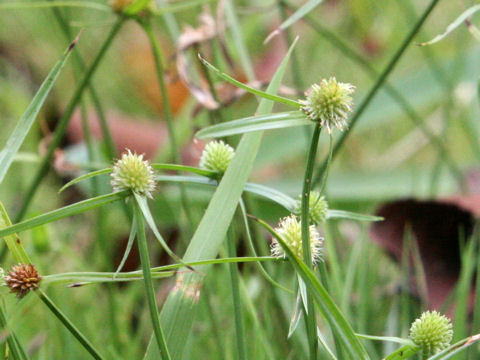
<point x="109" y="144"/>
<point x="329" y="161"/>
<point x="63" y="122"/>
<point x="264" y="272"/>
<point x="147" y="276"/>
<point x="237" y="303"/>
<point x="14" y="346"/>
<point x="307" y="184"/>
<point x="69" y="325"/>
<point x="378" y="85"/>
<point x="159" y="67"/>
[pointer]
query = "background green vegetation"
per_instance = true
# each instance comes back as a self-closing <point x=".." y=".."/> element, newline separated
<point x="385" y="157"/>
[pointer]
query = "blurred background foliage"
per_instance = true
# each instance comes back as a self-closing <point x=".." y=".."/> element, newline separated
<point x="386" y="157"/>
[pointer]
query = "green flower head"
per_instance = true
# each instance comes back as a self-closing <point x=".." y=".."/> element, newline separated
<point x="133" y="173"/>
<point x="318" y="208"/>
<point x="290" y="230"/>
<point x="329" y="103"/>
<point x="217" y="156"/>
<point x="432" y="332"/>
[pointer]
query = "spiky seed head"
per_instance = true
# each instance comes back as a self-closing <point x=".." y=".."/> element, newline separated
<point x="433" y="332"/>
<point x="329" y="103"/>
<point x="119" y="6"/>
<point x="217" y="156"/>
<point x="290" y="229"/>
<point x="133" y="173"/>
<point x="318" y="208"/>
<point x="22" y="279"/>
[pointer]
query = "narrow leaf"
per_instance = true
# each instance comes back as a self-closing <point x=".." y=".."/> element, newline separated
<point x="456" y="348"/>
<point x="341" y="214"/>
<point x="85" y="177"/>
<point x="255" y="123"/>
<point x="404" y="352"/>
<point x="297" y="15"/>
<point x="458" y="21"/>
<point x="245" y="87"/>
<point x="63" y="212"/>
<point x="325" y="303"/>
<point x="28" y="118"/>
<point x="50" y="4"/>
<point x="179" y="309"/>
<point x="386" y="338"/>
<point x="142" y="203"/>
<point x="131" y="239"/>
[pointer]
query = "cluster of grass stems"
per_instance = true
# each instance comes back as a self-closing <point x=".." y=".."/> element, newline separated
<point x="312" y="305"/>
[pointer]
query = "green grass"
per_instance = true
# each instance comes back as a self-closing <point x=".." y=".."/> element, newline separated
<point x="189" y="273"/>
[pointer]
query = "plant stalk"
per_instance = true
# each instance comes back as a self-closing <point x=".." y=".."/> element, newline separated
<point x="159" y="67"/>
<point x="237" y="303"/>
<point x="64" y="120"/>
<point x="147" y="276"/>
<point x="69" y="325"/>
<point x="307" y="184"/>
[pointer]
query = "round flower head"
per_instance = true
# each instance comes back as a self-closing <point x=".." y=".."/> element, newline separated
<point x="22" y="279"/>
<point x="318" y="208"/>
<point x="290" y="229"/>
<point x="217" y="156"/>
<point x="133" y="173"/>
<point x="432" y="332"/>
<point x="329" y="103"/>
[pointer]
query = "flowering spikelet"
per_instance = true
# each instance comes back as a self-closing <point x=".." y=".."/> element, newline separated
<point x="22" y="279"/>
<point x="329" y="103"/>
<point x="318" y="208"/>
<point x="217" y="156"/>
<point x="133" y="173"/>
<point x="432" y="332"/>
<point x="290" y="230"/>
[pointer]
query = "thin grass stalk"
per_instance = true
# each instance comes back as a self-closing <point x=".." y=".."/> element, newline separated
<point x="307" y="184"/>
<point x="107" y="137"/>
<point x="14" y="346"/>
<point x="378" y="85"/>
<point x="251" y="247"/>
<point x="64" y="120"/>
<point x="147" y="276"/>
<point x="69" y="325"/>
<point x="237" y="303"/>
<point x="214" y="323"/>
<point x="395" y="94"/>
<point x="327" y="169"/>
<point x="159" y="67"/>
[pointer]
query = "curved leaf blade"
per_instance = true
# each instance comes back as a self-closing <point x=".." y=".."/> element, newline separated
<point x="28" y="118"/>
<point x="255" y="123"/>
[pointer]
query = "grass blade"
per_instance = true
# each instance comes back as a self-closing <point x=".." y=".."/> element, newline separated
<point x="404" y="352"/>
<point x="458" y="21"/>
<point x="179" y="309"/>
<point x="28" y="118"/>
<point x="85" y="177"/>
<point x="348" y="215"/>
<point x="143" y="205"/>
<point x="456" y="348"/>
<point x="63" y="212"/>
<point x="50" y="4"/>
<point x="326" y="305"/>
<point x="147" y="276"/>
<point x="297" y="15"/>
<point x="251" y="90"/>
<point x="255" y="123"/>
